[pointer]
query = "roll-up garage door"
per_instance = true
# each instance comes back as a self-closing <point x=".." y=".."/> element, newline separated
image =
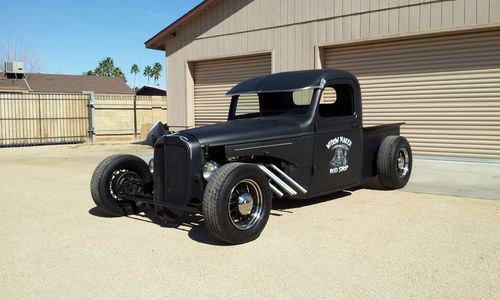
<point x="446" y="88"/>
<point x="212" y="79"/>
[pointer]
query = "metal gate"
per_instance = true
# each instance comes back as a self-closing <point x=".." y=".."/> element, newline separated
<point x="44" y="119"/>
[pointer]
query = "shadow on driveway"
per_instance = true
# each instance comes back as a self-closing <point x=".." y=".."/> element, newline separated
<point x="193" y="223"/>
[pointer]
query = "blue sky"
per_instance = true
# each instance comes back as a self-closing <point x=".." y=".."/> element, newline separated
<point x="70" y="37"/>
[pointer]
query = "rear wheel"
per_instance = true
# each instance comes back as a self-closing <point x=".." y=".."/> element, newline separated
<point x="394" y="162"/>
<point x="114" y="175"/>
<point x="237" y="203"/>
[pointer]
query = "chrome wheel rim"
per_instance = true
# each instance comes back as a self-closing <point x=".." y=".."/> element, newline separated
<point x="403" y="162"/>
<point x="245" y="205"/>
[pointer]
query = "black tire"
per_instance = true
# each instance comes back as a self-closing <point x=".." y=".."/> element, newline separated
<point x="101" y="187"/>
<point x="392" y="172"/>
<point x="221" y="217"/>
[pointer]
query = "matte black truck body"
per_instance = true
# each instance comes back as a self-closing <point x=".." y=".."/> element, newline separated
<point x="296" y="142"/>
<point x="304" y="149"/>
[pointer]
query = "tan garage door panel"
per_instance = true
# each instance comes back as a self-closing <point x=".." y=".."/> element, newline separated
<point x="214" y="78"/>
<point x="447" y="90"/>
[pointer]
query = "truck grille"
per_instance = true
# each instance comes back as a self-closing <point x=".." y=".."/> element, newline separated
<point x="171" y="173"/>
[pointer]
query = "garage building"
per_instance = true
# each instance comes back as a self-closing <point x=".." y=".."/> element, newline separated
<point x="434" y="64"/>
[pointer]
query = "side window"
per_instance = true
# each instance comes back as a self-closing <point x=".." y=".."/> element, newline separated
<point x="337" y="101"/>
<point x="247" y="104"/>
<point x="328" y="96"/>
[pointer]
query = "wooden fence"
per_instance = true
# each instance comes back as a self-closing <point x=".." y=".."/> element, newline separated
<point x="40" y="119"/>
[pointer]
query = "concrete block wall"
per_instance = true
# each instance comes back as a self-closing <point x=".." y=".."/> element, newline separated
<point x="114" y="115"/>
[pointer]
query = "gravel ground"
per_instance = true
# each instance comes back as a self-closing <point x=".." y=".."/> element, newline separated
<point x="360" y="244"/>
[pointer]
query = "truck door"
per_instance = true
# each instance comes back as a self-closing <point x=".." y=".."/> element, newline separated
<point x="338" y="143"/>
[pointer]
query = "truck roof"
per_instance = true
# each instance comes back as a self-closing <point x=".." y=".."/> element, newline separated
<point x="289" y="81"/>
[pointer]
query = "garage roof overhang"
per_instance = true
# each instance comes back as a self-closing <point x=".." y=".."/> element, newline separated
<point x="157" y="42"/>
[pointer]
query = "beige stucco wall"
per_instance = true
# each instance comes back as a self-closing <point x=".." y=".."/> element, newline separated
<point x="114" y="114"/>
<point x="294" y="31"/>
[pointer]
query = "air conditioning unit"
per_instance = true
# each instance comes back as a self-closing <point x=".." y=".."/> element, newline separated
<point x="14" y="67"/>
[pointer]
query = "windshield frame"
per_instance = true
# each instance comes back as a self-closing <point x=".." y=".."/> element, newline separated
<point x="310" y="108"/>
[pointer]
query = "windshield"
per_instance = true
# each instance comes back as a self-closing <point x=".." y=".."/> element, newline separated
<point x="271" y="104"/>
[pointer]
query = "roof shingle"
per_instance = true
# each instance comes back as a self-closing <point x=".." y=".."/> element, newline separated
<point x="56" y="83"/>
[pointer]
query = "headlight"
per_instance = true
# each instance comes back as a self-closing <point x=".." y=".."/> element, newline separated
<point x="209" y="169"/>
<point x="151" y="165"/>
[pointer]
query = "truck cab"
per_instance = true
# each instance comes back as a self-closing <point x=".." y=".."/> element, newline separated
<point x="327" y="140"/>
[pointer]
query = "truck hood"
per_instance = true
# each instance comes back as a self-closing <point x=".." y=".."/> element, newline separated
<point x="247" y="130"/>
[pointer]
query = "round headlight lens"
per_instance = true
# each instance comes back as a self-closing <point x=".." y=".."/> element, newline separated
<point x="209" y="169"/>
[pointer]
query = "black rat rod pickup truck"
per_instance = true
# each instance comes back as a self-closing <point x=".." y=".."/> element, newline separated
<point x="297" y="135"/>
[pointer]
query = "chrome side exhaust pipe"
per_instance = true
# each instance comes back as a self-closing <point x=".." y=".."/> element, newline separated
<point x="289" y="179"/>
<point x="278" y="181"/>
<point x="276" y="190"/>
<point x="281" y="183"/>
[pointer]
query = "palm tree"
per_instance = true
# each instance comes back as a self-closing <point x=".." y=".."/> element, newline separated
<point x="148" y="72"/>
<point x="106" y="67"/>
<point x="118" y="73"/>
<point x="157" y="68"/>
<point x="134" y="70"/>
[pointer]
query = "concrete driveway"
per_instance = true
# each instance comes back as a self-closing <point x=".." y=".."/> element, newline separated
<point x="360" y="244"/>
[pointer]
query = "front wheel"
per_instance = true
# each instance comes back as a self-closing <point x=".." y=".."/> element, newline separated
<point x="237" y="203"/>
<point x="114" y="175"/>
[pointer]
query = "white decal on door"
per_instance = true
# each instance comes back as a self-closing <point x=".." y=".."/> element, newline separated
<point x="339" y="147"/>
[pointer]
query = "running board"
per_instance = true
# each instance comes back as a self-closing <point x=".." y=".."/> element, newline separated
<point x="279" y="177"/>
